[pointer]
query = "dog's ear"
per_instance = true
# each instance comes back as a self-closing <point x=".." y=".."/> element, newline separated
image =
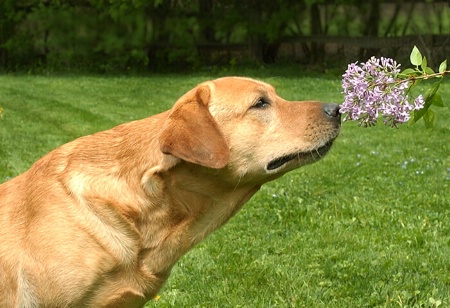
<point x="191" y="133"/>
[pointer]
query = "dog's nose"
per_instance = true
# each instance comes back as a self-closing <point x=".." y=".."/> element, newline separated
<point x="332" y="110"/>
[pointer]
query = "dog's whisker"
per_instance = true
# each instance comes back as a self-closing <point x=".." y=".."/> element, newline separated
<point x="241" y="176"/>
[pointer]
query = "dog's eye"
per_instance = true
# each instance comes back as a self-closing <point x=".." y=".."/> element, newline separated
<point x="261" y="103"/>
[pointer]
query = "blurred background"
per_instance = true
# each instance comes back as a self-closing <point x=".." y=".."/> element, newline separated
<point x="165" y="35"/>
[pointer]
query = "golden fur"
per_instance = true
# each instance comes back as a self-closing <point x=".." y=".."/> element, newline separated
<point x="101" y="220"/>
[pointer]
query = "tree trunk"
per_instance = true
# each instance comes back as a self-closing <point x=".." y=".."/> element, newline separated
<point x="317" y="49"/>
<point x="393" y="20"/>
<point x="254" y="41"/>
<point x="371" y="29"/>
<point x="206" y="28"/>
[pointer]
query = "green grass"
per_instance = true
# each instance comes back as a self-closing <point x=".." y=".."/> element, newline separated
<point x="368" y="226"/>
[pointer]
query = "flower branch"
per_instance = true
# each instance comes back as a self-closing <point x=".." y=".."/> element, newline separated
<point x="377" y="88"/>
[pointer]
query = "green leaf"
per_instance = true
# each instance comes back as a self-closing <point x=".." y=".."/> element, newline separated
<point x="443" y="66"/>
<point x="418" y="114"/>
<point x="415" y="57"/>
<point x="429" y="71"/>
<point x="414" y="84"/>
<point x="424" y="64"/>
<point x="436" y="100"/>
<point x="409" y="71"/>
<point x="429" y="119"/>
<point x="431" y="91"/>
<point x="430" y="97"/>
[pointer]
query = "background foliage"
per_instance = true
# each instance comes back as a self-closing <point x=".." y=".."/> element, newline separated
<point x="111" y="35"/>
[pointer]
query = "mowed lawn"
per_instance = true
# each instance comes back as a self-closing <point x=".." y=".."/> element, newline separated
<point x="368" y="226"/>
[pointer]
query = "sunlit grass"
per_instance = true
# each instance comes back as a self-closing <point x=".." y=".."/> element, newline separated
<point x="368" y="226"/>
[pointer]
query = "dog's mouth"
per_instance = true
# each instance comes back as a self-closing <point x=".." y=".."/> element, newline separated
<point x="313" y="155"/>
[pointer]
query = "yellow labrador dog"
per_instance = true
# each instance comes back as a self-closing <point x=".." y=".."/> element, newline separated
<point x="100" y="221"/>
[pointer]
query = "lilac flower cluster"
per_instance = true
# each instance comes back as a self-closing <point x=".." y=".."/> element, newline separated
<point x="376" y="88"/>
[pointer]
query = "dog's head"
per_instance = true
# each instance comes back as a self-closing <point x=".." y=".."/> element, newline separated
<point x="243" y="126"/>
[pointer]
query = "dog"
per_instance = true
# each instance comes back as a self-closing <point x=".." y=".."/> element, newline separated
<point x="101" y="220"/>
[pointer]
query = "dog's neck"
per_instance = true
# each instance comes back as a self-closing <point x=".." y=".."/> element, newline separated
<point x="203" y="203"/>
<point x="209" y="200"/>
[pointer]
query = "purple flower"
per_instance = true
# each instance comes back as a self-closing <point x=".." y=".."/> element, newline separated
<point x="374" y="89"/>
<point x="419" y="102"/>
